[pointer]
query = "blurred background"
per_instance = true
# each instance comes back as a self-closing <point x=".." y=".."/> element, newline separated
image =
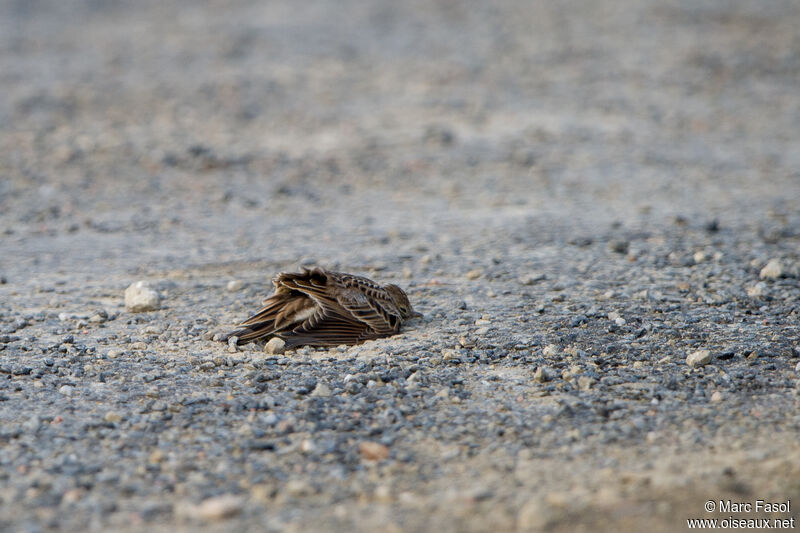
<point x="162" y="133"/>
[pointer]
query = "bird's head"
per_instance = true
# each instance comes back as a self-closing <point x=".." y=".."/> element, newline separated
<point x="400" y="299"/>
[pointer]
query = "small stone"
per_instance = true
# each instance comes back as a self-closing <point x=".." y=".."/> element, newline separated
<point x="113" y="353"/>
<point x="716" y="397"/>
<point x="298" y="488"/>
<point x="450" y="355"/>
<point x="156" y="457"/>
<point x="797" y="368"/>
<point x="233" y="344"/>
<point x="138" y="345"/>
<point x="541" y="375"/>
<point x="473" y="274"/>
<point x="321" y="390"/>
<point x="772" y="270"/>
<point x="113" y="417"/>
<point x="383" y="494"/>
<point x="275" y="346"/>
<point x="699" y="256"/>
<point x="698" y="358"/>
<point x="235" y="285"/>
<point x="67" y="390"/>
<point x="216" y="508"/>
<point x="585" y="383"/>
<point x="619" y="321"/>
<point x="531" y="278"/>
<point x="757" y="290"/>
<point x="98" y="317"/>
<point x="373" y="451"/>
<point x="618" y="246"/>
<point x="139" y="297"/>
<point x="551" y="350"/>
<point x="579" y="320"/>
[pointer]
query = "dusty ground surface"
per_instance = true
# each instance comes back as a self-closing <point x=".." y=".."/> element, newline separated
<point x="576" y="196"/>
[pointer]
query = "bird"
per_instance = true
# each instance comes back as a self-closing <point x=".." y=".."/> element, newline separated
<point x="319" y="307"/>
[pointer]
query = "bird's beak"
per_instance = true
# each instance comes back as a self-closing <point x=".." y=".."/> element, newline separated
<point x="416" y="314"/>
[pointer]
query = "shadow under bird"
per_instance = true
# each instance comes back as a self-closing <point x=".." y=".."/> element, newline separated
<point x="317" y="307"/>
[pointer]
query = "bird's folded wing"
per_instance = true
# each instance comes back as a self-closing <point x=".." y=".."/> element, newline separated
<point x="272" y="306"/>
<point x="368" y="310"/>
<point x="325" y="328"/>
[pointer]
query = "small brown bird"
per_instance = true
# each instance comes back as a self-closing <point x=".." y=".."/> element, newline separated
<point x="317" y="307"/>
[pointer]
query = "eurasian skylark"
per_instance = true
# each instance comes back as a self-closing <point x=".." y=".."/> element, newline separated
<point x="317" y="307"/>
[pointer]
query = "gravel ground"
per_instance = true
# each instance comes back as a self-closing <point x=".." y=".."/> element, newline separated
<point x="594" y="206"/>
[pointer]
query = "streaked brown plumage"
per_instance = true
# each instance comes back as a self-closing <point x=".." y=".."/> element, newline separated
<point x="318" y="307"/>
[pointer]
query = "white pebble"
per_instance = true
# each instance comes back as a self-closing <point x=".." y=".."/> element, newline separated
<point x="550" y="350"/>
<point x="275" y="346"/>
<point x="140" y="297"/>
<point x="772" y="270"/>
<point x="235" y="285"/>
<point x="217" y="508"/>
<point x="757" y="290"/>
<point x="698" y="358"/>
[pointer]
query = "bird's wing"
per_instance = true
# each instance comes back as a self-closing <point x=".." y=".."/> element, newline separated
<point x="283" y="310"/>
<point x="351" y="298"/>
<point x="369" y="311"/>
<point x="325" y="328"/>
<point x="370" y="303"/>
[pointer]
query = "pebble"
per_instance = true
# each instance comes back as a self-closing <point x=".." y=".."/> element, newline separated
<point x="235" y="285"/>
<point x="698" y="358"/>
<point x="321" y="390"/>
<point x="772" y="270"/>
<point x="233" y="344"/>
<point x="156" y="457"/>
<point x="474" y="274"/>
<point x="112" y="416"/>
<point x="297" y="488"/>
<point x="716" y="397"/>
<point x="585" y="383"/>
<point x="541" y="375"/>
<point x="551" y="350"/>
<point x="98" y="317"/>
<point x="275" y="346"/>
<point x="531" y="278"/>
<point x="66" y="390"/>
<point x="216" y="508"/>
<point x="138" y="345"/>
<point x="114" y="353"/>
<point x="757" y="290"/>
<point x="619" y="246"/>
<point x="140" y="297"/>
<point x="373" y="451"/>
